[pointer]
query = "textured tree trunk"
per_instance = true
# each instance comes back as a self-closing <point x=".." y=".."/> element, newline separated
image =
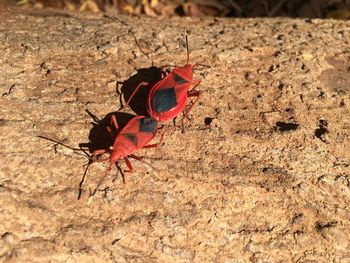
<point x="260" y="175"/>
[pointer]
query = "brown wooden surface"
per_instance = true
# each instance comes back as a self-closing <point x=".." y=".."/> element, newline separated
<point x="261" y="174"/>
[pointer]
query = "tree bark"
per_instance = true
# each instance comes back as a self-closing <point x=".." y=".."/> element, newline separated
<point x="261" y="173"/>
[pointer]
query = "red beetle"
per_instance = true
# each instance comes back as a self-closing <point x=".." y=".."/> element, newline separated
<point x="136" y="134"/>
<point x="168" y="97"/>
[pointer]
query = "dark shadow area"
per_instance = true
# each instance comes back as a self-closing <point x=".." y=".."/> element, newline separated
<point x="208" y="120"/>
<point x="138" y="102"/>
<point x="99" y="138"/>
<point x="322" y="130"/>
<point x="286" y="126"/>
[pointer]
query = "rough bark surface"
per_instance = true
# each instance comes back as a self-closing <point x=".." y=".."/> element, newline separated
<point x="260" y="175"/>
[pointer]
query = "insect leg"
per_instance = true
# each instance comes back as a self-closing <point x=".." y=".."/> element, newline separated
<point x="155" y="145"/>
<point x="99" y="152"/>
<point x="128" y="164"/>
<point x="115" y="124"/>
<point x="196" y="83"/>
<point x="141" y="160"/>
<point x="109" y="130"/>
<point x="174" y="121"/>
<point x="101" y="179"/>
<point x="191" y="93"/>
<point x="121" y="171"/>
<point x="143" y="83"/>
<point x="194" y="93"/>
<point x="82" y="180"/>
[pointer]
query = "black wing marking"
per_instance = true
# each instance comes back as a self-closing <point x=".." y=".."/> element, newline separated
<point x="164" y="99"/>
<point x="148" y="125"/>
<point x="179" y="80"/>
<point x="131" y="137"/>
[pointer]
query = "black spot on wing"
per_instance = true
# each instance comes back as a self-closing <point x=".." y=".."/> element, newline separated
<point x="148" y="125"/>
<point x="164" y="99"/>
<point x="131" y="137"/>
<point x="179" y="80"/>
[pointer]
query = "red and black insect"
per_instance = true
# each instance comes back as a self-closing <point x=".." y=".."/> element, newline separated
<point x="136" y="134"/>
<point x="168" y="97"/>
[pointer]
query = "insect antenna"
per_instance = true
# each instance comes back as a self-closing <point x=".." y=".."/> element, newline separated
<point x="80" y="149"/>
<point x="76" y="150"/>
<point x="188" y="52"/>
<point x="139" y="46"/>
<point x="202" y="65"/>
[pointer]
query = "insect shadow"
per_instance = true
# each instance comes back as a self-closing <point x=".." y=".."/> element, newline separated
<point x="99" y="138"/>
<point x="138" y="102"/>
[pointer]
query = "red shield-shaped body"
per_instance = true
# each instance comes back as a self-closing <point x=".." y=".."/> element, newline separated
<point x="139" y="131"/>
<point x="168" y="97"/>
